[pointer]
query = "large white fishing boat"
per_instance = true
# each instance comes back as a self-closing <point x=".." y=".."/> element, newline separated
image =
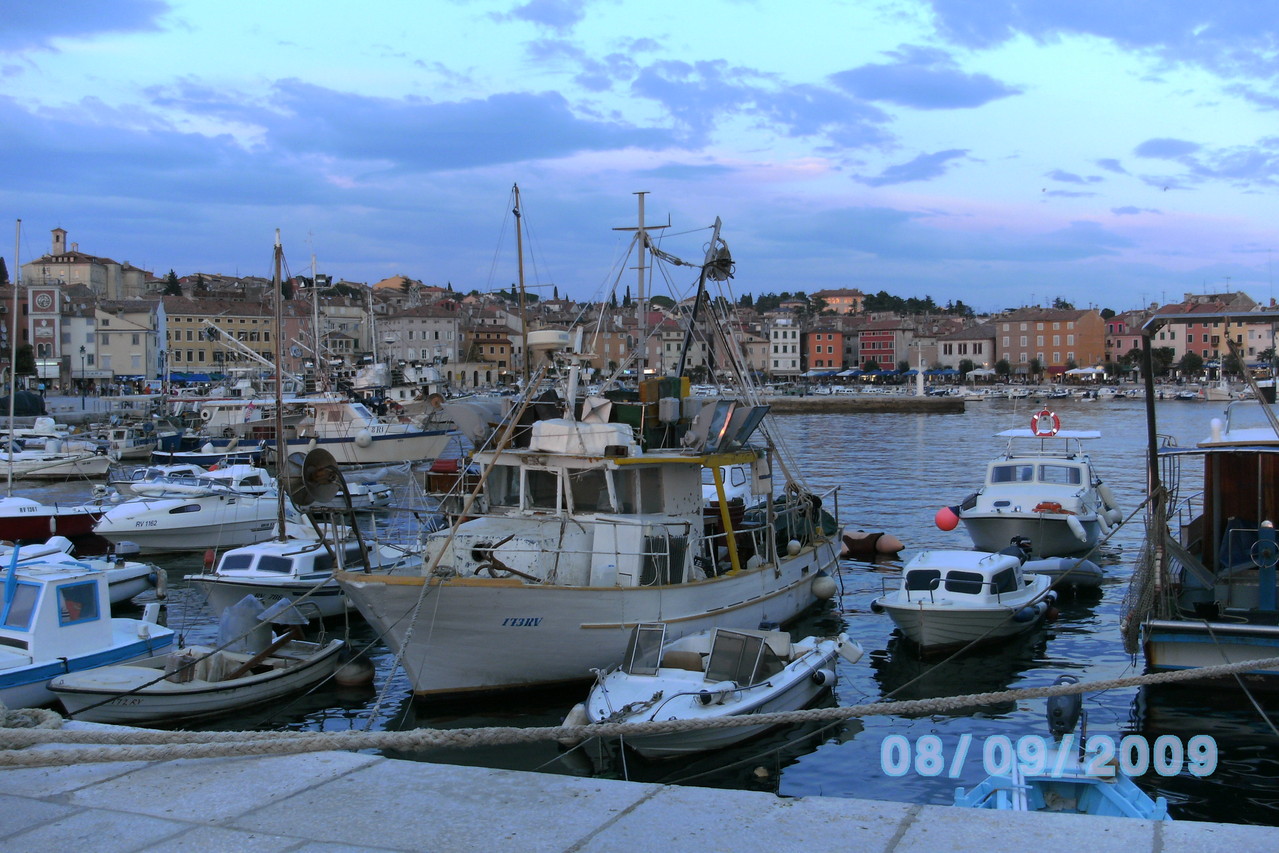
<point x="592" y="520"/>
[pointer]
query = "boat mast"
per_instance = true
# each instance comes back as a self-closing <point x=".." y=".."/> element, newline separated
<point x="13" y="349"/>
<point x="321" y="380"/>
<point x="519" y="256"/>
<point x="281" y="446"/>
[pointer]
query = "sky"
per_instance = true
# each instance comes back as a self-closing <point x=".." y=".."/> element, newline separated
<point x="1004" y="153"/>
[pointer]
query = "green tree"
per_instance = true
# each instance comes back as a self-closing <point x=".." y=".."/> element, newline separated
<point x="1107" y="313"/>
<point x="172" y="287"/>
<point x="1003" y="368"/>
<point x="903" y="366"/>
<point x="26" y="360"/>
<point x="1161" y="360"/>
<point x="966" y="366"/>
<point x="870" y="365"/>
<point x="661" y="300"/>
<point x="1232" y="366"/>
<point x="199" y="287"/>
<point x="1062" y="305"/>
<point x="4" y="272"/>
<point x="1036" y="368"/>
<point x="1191" y="363"/>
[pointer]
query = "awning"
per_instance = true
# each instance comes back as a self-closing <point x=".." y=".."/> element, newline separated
<point x="985" y="371"/>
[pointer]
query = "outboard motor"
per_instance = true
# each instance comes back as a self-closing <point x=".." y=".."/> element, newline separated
<point x="1064" y="711"/>
<point x="1019" y="547"/>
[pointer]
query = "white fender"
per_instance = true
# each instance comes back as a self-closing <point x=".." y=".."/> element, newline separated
<point x="1107" y="496"/>
<point x="363" y="438"/>
<point x="1076" y="527"/>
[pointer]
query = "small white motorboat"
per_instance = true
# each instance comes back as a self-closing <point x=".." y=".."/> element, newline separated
<point x="56" y="620"/>
<point x="297" y="569"/>
<point x="197" y="682"/>
<point x="362" y="496"/>
<point x="125" y="578"/>
<point x="123" y="479"/>
<point x="950" y="598"/>
<point x="1042" y="488"/>
<point x="710" y="675"/>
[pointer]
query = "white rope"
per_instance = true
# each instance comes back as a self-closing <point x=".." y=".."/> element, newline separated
<point x="153" y="745"/>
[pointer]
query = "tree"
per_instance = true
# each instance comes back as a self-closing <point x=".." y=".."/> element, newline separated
<point x="1062" y="305"/>
<point x="199" y="287"/>
<point x="1191" y="363"/>
<point x="661" y="300"/>
<point x="1003" y="368"/>
<point x="626" y="300"/>
<point x="286" y="289"/>
<point x="172" y="287"/>
<point x="1107" y="313"/>
<point x="4" y="272"/>
<point x="1232" y="365"/>
<point x="966" y="366"/>
<point x="1036" y="368"/>
<point x="903" y="366"/>
<point x="1161" y="359"/>
<point x="870" y="365"/>
<point x="26" y="360"/>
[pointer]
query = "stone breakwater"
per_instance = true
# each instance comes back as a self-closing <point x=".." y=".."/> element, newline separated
<point x="864" y="403"/>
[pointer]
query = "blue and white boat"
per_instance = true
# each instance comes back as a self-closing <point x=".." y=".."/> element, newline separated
<point x="57" y="619"/>
<point x="1071" y="791"/>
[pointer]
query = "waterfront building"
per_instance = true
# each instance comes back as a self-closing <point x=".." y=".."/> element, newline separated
<point x="1055" y="337"/>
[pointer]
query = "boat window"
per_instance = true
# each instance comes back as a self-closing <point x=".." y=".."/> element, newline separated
<point x="503" y="486"/>
<point x="650" y="490"/>
<point x="255" y="480"/>
<point x="589" y="488"/>
<point x="543" y="489"/>
<point x="1065" y="475"/>
<point x="184" y="508"/>
<point x="236" y="561"/>
<point x="77" y="602"/>
<point x="734" y="657"/>
<point x="969" y="583"/>
<point x="922" y="579"/>
<point x="737" y="476"/>
<point x="1006" y="581"/>
<point x="271" y="563"/>
<point x="1012" y="473"/>
<point x="625" y="484"/>
<point x="18" y="612"/>
<point x="644" y="650"/>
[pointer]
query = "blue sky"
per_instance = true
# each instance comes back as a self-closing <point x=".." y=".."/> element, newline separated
<point x="1001" y="152"/>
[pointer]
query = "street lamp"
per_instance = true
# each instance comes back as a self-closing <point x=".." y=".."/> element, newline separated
<point x="82" y="378"/>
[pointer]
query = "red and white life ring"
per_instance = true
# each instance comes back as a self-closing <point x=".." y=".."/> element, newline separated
<point x="1045" y="423"/>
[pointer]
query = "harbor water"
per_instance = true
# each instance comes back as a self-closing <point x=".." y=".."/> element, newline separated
<point x="892" y="472"/>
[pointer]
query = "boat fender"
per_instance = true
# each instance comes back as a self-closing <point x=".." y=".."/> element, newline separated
<point x="1077" y="527"/>
<point x="1114" y="515"/>
<point x="206" y="414"/>
<point x="947" y="518"/>
<point x="159" y="579"/>
<point x="99" y="451"/>
<point x="792" y="547"/>
<point x="1107" y="496"/>
<point x="823" y="677"/>
<point x="1031" y="612"/>
<point x="363" y="438"/>
<point x="824" y="587"/>
<point x="876" y="606"/>
<point x="705" y="697"/>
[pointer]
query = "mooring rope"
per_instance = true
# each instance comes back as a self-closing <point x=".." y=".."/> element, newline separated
<point x="122" y="744"/>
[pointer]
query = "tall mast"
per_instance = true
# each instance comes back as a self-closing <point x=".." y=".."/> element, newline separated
<point x="13" y="347"/>
<point x="641" y="315"/>
<point x="519" y="254"/>
<point x="281" y="446"/>
<point x="320" y="382"/>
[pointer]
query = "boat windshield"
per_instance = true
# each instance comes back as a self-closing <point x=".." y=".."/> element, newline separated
<point x="1012" y="473"/>
<point x="734" y="657"/>
<point x="644" y="651"/>
<point x="17" y="614"/>
<point x="1065" y="475"/>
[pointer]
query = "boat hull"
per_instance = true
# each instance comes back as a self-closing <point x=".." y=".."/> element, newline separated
<point x="1049" y="534"/>
<point x="1172" y="644"/>
<point x="947" y="626"/>
<point x="30" y="521"/>
<point x="322" y="602"/>
<point x="484" y="635"/>
<point x="117" y="700"/>
<point x="28" y="686"/>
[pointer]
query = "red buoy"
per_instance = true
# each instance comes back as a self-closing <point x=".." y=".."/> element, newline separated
<point x="946" y="518"/>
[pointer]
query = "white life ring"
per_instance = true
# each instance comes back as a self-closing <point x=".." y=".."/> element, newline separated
<point x="1045" y="423"/>
<point x="206" y="414"/>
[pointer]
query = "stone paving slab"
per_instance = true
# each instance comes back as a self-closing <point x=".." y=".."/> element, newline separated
<point x="334" y="802"/>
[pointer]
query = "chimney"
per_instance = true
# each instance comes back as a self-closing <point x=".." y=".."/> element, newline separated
<point x="75" y="247"/>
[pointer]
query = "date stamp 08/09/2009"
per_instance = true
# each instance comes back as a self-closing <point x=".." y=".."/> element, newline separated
<point x="1035" y="755"/>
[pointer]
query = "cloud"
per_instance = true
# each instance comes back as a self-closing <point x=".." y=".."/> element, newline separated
<point x="1111" y="165"/>
<point x="559" y="15"/>
<point x="1227" y="37"/>
<point x="1129" y="210"/>
<point x="1068" y="194"/>
<point x="1166" y="149"/>
<point x="36" y="26"/>
<point x="923" y="78"/>
<point x="922" y="168"/>
<point x="702" y="95"/>
<point x="1071" y="178"/>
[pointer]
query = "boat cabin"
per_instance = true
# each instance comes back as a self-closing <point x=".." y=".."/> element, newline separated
<point x="971" y="576"/>
<point x="54" y="611"/>
<point x="294" y="559"/>
<point x="742" y="657"/>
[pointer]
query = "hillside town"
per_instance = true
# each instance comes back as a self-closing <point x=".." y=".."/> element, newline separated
<point x="90" y="324"/>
